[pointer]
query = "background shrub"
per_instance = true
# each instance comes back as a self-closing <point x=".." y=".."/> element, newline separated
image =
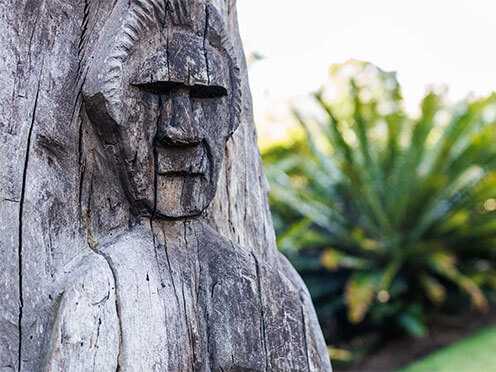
<point x="389" y="218"/>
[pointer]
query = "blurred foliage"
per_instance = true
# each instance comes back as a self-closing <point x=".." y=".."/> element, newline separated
<point x="387" y="217"/>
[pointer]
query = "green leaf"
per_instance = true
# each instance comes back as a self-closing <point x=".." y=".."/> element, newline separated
<point x="359" y="294"/>
<point x="412" y="321"/>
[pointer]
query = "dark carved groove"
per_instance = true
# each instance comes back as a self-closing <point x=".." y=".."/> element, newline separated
<point x="21" y="209"/>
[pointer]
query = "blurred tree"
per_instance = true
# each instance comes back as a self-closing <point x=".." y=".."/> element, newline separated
<point x="388" y="217"/>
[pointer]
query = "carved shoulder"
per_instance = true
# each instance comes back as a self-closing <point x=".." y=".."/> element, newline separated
<point x="85" y="336"/>
<point x="318" y="356"/>
<point x="269" y="292"/>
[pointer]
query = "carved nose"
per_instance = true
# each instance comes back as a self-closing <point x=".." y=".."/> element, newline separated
<point x="176" y="123"/>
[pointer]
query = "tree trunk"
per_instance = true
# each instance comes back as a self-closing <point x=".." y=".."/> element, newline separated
<point x="110" y="260"/>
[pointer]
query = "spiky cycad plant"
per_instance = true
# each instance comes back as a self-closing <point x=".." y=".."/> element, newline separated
<point x="387" y="214"/>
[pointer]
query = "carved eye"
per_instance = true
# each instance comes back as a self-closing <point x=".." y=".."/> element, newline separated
<point x="207" y="91"/>
<point x="157" y="88"/>
<point x="195" y="91"/>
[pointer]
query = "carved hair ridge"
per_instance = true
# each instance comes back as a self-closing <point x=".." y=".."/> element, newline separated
<point x="142" y="14"/>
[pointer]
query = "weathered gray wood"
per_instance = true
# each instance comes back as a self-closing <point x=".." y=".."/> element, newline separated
<point x="39" y="65"/>
<point x="114" y="117"/>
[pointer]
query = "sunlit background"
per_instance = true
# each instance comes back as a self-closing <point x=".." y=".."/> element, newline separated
<point x="383" y="184"/>
<point x="425" y="42"/>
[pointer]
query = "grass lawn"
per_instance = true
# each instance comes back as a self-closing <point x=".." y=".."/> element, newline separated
<point x="476" y="353"/>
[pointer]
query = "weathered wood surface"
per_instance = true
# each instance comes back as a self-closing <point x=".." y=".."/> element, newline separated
<point x="114" y="117"/>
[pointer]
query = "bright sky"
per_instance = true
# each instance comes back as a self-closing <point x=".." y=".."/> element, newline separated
<point x="425" y="41"/>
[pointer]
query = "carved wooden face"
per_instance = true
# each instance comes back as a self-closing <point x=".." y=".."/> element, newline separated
<point x="164" y="113"/>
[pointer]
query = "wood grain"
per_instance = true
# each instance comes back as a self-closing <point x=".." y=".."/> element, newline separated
<point x="135" y="229"/>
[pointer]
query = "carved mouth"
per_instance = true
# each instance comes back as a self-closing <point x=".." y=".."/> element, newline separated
<point x="184" y="162"/>
<point x="181" y="174"/>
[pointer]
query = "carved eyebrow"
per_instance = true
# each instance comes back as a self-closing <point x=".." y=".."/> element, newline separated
<point x="195" y="91"/>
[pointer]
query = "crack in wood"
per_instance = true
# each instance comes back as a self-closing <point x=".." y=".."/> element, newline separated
<point x="117" y="307"/>
<point x="96" y="340"/>
<point x="82" y="38"/>
<point x="171" y="274"/>
<point x="82" y="164"/>
<point x="11" y="200"/>
<point x="263" y="332"/>
<point x="205" y="34"/>
<point x="21" y="210"/>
